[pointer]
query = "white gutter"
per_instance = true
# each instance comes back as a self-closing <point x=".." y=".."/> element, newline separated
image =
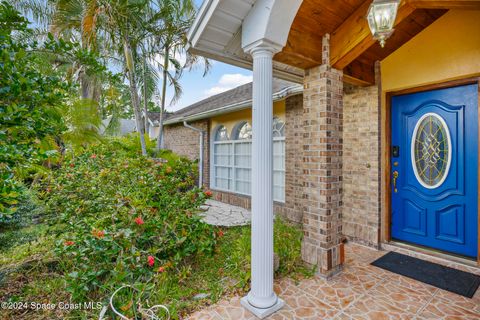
<point x="200" y="160"/>
<point x="283" y="94"/>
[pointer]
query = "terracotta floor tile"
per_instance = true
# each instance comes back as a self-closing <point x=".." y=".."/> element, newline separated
<point x="360" y="292"/>
<point x="343" y="316"/>
<point x="369" y="308"/>
<point x="336" y="294"/>
<point x="205" y="315"/>
<point x="404" y="298"/>
<point x="453" y="299"/>
<point x="455" y="308"/>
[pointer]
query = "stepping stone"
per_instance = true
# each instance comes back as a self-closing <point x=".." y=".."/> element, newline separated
<point x="222" y="214"/>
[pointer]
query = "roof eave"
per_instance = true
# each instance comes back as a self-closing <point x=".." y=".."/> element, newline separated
<point x="295" y="76"/>
<point x="201" y="20"/>
<point x="195" y="33"/>
<point x="280" y="95"/>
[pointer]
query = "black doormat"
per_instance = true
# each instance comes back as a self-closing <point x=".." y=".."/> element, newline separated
<point x="446" y="278"/>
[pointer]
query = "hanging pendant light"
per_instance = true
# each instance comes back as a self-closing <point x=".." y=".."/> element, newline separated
<point x="381" y="18"/>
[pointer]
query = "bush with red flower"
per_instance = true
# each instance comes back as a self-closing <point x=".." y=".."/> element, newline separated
<point x="123" y="215"/>
<point x="208" y="193"/>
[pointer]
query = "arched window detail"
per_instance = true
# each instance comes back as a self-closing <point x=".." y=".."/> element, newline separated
<point x="221" y="134"/>
<point x="278" y="128"/>
<point x="242" y="131"/>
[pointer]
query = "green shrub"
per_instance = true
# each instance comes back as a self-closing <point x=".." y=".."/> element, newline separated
<point x="126" y="218"/>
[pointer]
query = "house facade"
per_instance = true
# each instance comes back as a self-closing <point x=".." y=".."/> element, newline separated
<point x="381" y="146"/>
<point x="226" y="120"/>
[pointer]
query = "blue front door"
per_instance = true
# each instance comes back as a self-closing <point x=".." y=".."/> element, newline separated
<point x="434" y="169"/>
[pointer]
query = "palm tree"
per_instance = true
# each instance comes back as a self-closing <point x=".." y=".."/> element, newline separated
<point x="111" y="28"/>
<point x="131" y="32"/>
<point x="174" y="18"/>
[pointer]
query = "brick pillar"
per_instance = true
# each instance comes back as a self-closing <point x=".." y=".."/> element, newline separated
<point x="322" y="166"/>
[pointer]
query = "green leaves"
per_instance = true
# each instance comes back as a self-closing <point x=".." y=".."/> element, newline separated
<point x="118" y="208"/>
<point x="28" y="100"/>
<point x="39" y="105"/>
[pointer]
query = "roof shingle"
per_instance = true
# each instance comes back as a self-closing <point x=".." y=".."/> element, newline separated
<point x="234" y="96"/>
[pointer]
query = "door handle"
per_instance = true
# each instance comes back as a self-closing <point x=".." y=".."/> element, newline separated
<point x="395" y="176"/>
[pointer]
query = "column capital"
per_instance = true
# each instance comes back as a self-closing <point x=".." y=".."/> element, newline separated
<point x="262" y="46"/>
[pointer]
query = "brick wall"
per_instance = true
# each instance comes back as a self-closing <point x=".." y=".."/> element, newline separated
<point x="361" y="172"/>
<point x="186" y="142"/>
<point x="293" y="162"/>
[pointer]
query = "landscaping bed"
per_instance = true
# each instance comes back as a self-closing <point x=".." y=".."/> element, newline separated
<point x="107" y="217"/>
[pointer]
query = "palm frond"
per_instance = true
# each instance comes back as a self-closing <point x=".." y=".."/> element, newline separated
<point x="177" y="88"/>
<point x="83" y="123"/>
<point x="40" y="10"/>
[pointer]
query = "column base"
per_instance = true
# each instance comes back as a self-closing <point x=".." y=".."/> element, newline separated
<point x="262" y="313"/>
<point x="327" y="274"/>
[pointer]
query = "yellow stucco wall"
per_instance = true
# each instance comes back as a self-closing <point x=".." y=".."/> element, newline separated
<point x="229" y="120"/>
<point x="446" y="50"/>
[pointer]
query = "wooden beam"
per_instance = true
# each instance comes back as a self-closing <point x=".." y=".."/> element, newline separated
<point x="445" y="4"/>
<point x="364" y="72"/>
<point x="355" y="81"/>
<point x="353" y="36"/>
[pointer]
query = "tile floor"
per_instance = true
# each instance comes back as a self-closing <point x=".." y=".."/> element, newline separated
<point x="361" y="291"/>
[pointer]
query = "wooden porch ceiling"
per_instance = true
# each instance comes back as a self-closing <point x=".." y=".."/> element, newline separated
<point x="352" y="48"/>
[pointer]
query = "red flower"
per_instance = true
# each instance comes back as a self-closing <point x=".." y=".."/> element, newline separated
<point x="208" y="193"/>
<point x="220" y="234"/>
<point x="69" y="243"/>
<point x="72" y="165"/>
<point x="99" y="234"/>
<point x="139" y="221"/>
<point x="161" y="269"/>
<point x="93" y="156"/>
<point x="151" y="261"/>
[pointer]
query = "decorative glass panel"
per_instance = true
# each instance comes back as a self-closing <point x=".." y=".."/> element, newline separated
<point x="221" y="134"/>
<point x="243" y="131"/>
<point x="431" y="150"/>
<point x="278" y="128"/>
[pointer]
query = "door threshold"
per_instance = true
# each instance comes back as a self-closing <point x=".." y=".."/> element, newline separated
<point x="429" y="253"/>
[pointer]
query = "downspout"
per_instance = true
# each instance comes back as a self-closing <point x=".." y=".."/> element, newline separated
<point x="200" y="161"/>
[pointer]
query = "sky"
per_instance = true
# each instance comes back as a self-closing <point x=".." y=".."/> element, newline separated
<point x="220" y="78"/>
<point x="196" y="87"/>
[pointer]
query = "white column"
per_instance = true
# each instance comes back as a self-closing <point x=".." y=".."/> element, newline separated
<point x="262" y="300"/>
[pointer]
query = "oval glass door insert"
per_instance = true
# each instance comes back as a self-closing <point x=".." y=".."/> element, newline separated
<point x="431" y="150"/>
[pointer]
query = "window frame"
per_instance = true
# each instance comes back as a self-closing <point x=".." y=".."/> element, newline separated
<point x="234" y="167"/>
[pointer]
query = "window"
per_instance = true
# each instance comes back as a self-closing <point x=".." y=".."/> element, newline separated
<point x="278" y="159"/>
<point x="242" y="155"/>
<point x="242" y="131"/>
<point x="223" y="160"/>
<point x="232" y="159"/>
<point x="221" y="134"/>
